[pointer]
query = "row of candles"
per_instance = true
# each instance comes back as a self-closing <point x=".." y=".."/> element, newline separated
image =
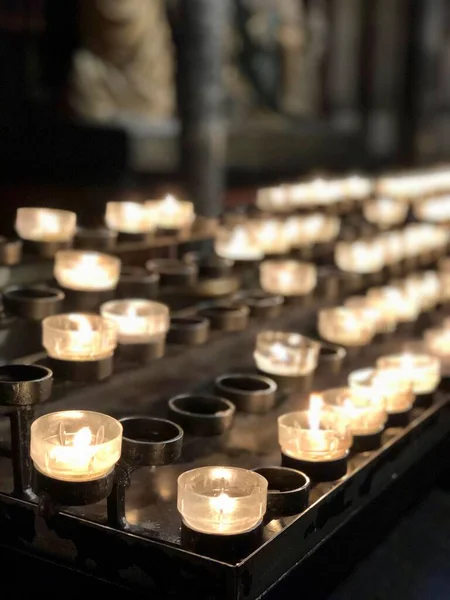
<point x="81" y="446"/>
<point x="401" y="188"/>
<point x="53" y="225"/>
<point x="252" y="240"/>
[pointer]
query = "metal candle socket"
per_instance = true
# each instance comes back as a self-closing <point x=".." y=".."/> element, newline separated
<point x="249" y="393"/>
<point x="288" y="491"/>
<point x="146" y="442"/>
<point x="99" y="238"/>
<point x="188" y="330"/>
<point x="227" y="317"/>
<point x="263" y="305"/>
<point x="202" y="414"/>
<point x="137" y="282"/>
<point x="34" y="302"/>
<point x="22" y="386"/>
<point x="173" y="272"/>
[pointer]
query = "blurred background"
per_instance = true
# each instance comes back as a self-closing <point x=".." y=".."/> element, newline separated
<point x="106" y="99"/>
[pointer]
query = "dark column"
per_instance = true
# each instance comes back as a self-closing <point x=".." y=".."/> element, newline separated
<point x="204" y="131"/>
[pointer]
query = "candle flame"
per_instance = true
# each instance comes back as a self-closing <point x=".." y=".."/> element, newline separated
<point x="315" y="408"/>
<point x="169" y="204"/>
<point x="279" y="352"/>
<point x="131" y="311"/>
<point x="82" y="323"/>
<point x="48" y="222"/>
<point x="82" y="438"/>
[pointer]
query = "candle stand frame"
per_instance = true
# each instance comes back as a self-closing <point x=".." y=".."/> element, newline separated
<point x="143" y="547"/>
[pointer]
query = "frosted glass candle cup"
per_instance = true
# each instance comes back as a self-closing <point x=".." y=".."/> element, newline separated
<point x="285" y="354"/>
<point x="423" y="370"/>
<point x="45" y="224"/>
<point x="346" y="326"/>
<point x="138" y="321"/>
<point x="288" y="277"/>
<point x="222" y="500"/>
<point x="76" y="446"/>
<point x="390" y="384"/>
<point x="86" y="271"/>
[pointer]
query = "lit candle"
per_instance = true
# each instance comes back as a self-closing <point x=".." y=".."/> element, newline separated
<point x="390" y="384"/>
<point x="75" y="446"/>
<point x="222" y="500"/>
<point x="79" y="337"/>
<point x="359" y="257"/>
<point x="366" y="413"/>
<point x="374" y="309"/>
<point x="385" y="212"/>
<point x="311" y="229"/>
<point x="173" y="213"/>
<point x="237" y="243"/>
<point x="315" y="435"/>
<point x="285" y="354"/>
<point x="86" y="271"/>
<point x="45" y="224"/>
<point x="138" y="321"/>
<point x="271" y="236"/>
<point x="396" y="302"/>
<point x="423" y="370"/>
<point x="288" y="277"/>
<point x="346" y="326"/>
<point x="130" y="217"/>
<point x="273" y="199"/>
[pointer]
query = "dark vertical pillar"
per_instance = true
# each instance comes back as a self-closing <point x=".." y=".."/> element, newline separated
<point x="204" y="130"/>
<point x="343" y="72"/>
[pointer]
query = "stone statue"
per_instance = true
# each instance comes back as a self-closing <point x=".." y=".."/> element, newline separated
<point x="125" y="66"/>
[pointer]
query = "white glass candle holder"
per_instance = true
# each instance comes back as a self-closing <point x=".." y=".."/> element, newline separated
<point x="285" y="354"/>
<point x="75" y="445"/>
<point x="424" y="289"/>
<point x="385" y="212"/>
<point x="274" y="199"/>
<point x="306" y="230"/>
<point x="389" y="384"/>
<point x="288" y="277"/>
<point x="366" y="413"/>
<point x="357" y="187"/>
<point x="360" y="256"/>
<point x="374" y="310"/>
<point x="402" y="307"/>
<point x="437" y="342"/>
<point x="423" y="370"/>
<point x="130" y="217"/>
<point x="222" y="500"/>
<point x="315" y="435"/>
<point x="392" y="245"/>
<point x="172" y="213"/>
<point x="86" y="271"/>
<point x="346" y="326"/>
<point x="433" y="209"/>
<point x="79" y="337"/>
<point x="45" y="224"/>
<point x="271" y="236"/>
<point x="138" y="321"/>
<point x="237" y="243"/>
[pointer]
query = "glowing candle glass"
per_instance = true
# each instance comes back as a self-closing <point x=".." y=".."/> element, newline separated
<point x="315" y="435"/>
<point x="424" y="288"/>
<point x="423" y="370"/>
<point x="130" y="217"/>
<point x="173" y="213"/>
<point x="389" y="384"/>
<point x="374" y="309"/>
<point x="346" y="326"/>
<point x="397" y="303"/>
<point x="222" y="500"/>
<point x="79" y="337"/>
<point x="271" y="236"/>
<point x="366" y="413"/>
<point x="286" y="354"/>
<point x="359" y="257"/>
<point x="138" y="321"/>
<point x="287" y="277"/>
<point x="86" y="271"/>
<point x="274" y="199"/>
<point x="385" y="212"/>
<point x="437" y="342"/>
<point x="45" y="224"/>
<point x="75" y="445"/>
<point x="311" y="229"/>
<point x="237" y="243"/>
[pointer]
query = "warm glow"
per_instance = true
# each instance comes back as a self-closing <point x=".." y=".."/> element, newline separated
<point x="315" y="409"/>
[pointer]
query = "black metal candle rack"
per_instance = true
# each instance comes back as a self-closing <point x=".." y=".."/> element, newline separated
<point x="125" y="528"/>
